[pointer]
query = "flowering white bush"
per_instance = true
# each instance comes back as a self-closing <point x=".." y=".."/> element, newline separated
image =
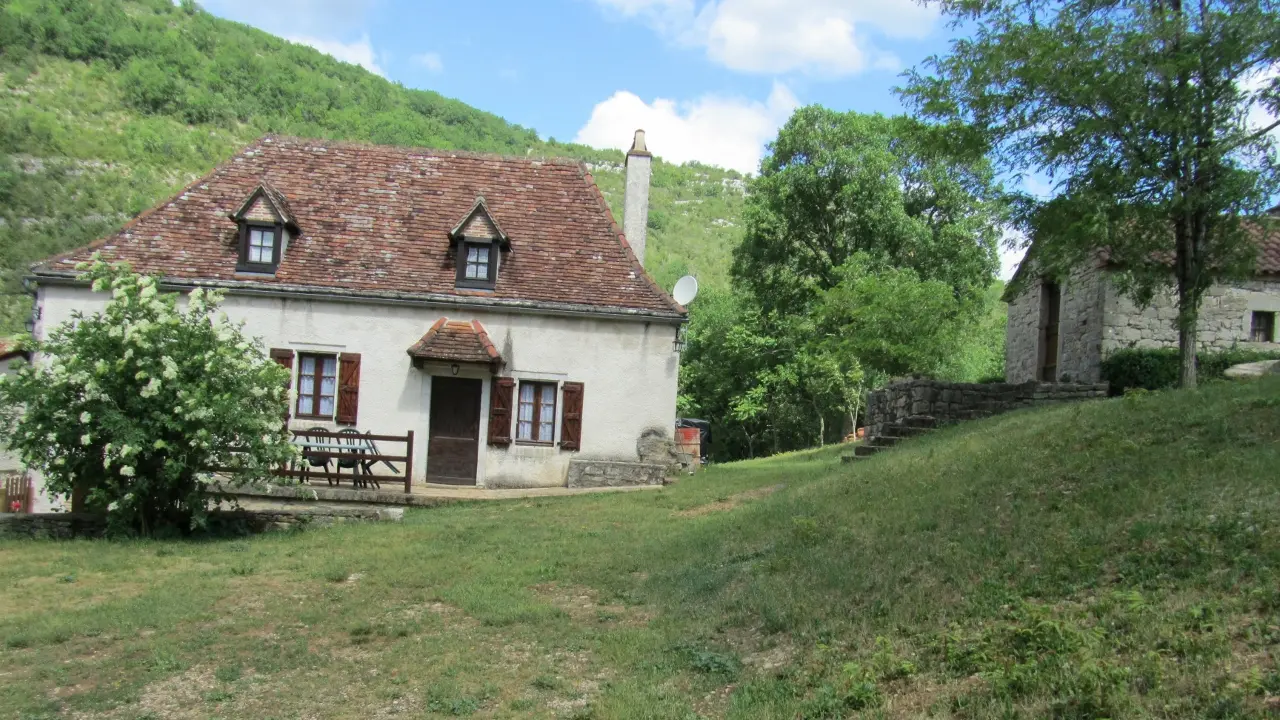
<point x="136" y="404"/>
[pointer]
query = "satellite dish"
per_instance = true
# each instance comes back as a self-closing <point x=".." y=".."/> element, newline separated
<point x="686" y="290"/>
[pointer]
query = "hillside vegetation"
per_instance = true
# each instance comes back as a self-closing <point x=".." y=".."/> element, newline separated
<point x="1113" y="559"/>
<point x="109" y="106"/>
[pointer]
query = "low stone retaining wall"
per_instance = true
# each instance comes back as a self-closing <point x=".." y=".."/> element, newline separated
<point x="609" y="473"/>
<point x="949" y="402"/>
<point x="63" y="526"/>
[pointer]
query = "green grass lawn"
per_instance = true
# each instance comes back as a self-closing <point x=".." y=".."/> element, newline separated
<point x="1112" y="559"/>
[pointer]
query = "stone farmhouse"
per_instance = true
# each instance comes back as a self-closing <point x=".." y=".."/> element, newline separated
<point x="490" y="304"/>
<point x="1062" y="331"/>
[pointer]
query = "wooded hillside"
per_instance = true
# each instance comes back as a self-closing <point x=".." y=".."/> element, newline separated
<point x="109" y="106"/>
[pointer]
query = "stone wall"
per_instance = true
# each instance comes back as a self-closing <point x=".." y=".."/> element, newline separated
<point x="605" y="473"/>
<point x="1080" y="328"/>
<point x="1097" y="319"/>
<point x="62" y="526"/>
<point x="953" y="402"/>
<point x="1225" y="317"/>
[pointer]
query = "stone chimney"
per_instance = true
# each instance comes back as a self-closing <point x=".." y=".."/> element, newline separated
<point x="635" y="210"/>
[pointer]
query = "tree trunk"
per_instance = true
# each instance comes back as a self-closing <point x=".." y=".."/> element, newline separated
<point x="1188" y="310"/>
<point x="822" y="430"/>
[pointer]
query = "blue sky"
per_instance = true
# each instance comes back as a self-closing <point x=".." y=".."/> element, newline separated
<point x="709" y="80"/>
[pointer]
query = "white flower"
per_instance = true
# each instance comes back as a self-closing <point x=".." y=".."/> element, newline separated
<point x="148" y="292"/>
<point x="152" y="388"/>
<point x="51" y="437"/>
<point x="160" y="445"/>
<point x="127" y="471"/>
<point x="85" y="439"/>
<point x="59" y="461"/>
<point x="85" y="417"/>
<point x="114" y="506"/>
<point x="126" y="450"/>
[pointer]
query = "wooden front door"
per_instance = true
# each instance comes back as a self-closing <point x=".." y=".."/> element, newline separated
<point x="454" y="441"/>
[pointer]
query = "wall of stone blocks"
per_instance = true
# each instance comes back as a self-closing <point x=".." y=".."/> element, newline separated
<point x="948" y="402"/>
<point x="1225" y="317"/>
<point x="604" y="473"/>
<point x="1080" y="329"/>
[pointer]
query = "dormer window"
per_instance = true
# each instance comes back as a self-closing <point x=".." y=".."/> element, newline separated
<point x="265" y="222"/>
<point x="477" y="266"/>
<point x="260" y="248"/>
<point x="480" y="242"/>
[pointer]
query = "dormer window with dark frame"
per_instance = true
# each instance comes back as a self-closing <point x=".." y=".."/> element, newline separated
<point x="477" y="267"/>
<point x="264" y="221"/>
<point x="480" y="243"/>
<point x="259" y="248"/>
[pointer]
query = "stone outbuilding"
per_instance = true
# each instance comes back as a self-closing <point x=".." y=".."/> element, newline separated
<point x="1062" y="331"/>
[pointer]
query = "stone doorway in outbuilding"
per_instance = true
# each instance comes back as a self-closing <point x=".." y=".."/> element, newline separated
<point x="453" y="443"/>
<point x="1050" y="312"/>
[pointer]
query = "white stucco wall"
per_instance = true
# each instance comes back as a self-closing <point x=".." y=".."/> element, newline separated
<point x="628" y="368"/>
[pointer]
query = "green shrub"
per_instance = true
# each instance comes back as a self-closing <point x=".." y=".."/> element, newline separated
<point x="1157" y="369"/>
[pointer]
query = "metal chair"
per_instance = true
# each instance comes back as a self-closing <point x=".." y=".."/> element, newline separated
<point x="372" y="461"/>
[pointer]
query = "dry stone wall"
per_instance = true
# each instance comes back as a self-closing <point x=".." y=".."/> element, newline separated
<point x="949" y="402"/>
<point x="608" y="473"/>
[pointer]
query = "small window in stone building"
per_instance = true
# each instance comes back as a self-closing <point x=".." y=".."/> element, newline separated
<point x="1263" y="327"/>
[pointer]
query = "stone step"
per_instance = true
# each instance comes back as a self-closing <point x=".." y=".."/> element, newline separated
<point x="885" y="441"/>
<point x="866" y="450"/>
<point x="921" y="421"/>
<point x="848" y="458"/>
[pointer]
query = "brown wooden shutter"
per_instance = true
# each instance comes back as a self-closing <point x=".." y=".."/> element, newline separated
<point x="500" y="410"/>
<point x="571" y="420"/>
<point x="284" y="357"/>
<point x="348" y="388"/>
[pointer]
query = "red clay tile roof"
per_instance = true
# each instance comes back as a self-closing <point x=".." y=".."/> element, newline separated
<point x="456" y="341"/>
<point x="375" y="221"/>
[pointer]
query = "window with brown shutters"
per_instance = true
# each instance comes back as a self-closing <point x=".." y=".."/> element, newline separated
<point x="500" y="411"/>
<point x="284" y="357"/>
<point x="348" y="388"/>
<point x="571" y="418"/>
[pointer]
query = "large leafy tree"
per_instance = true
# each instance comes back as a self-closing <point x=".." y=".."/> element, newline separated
<point x="1140" y="110"/>
<point x="838" y="184"/>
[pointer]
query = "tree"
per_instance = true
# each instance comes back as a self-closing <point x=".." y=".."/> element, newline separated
<point x="133" y="406"/>
<point x="837" y="184"/>
<point x="893" y="322"/>
<point x="1139" y="108"/>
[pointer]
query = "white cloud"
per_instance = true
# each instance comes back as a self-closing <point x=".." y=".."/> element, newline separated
<point x="359" y="52"/>
<point x="729" y="132"/>
<point x="431" y="61"/>
<point x="828" y="37"/>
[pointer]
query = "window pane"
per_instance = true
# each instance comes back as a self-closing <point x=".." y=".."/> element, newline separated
<point x="473" y="271"/>
<point x="327" y="387"/>
<point x="545" y="433"/>
<point x="526" y="392"/>
<point x="526" y="411"/>
<point x="304" y="404"/>
<point x="473" y="254"/>
<point x="331" y="367"/>
<point x="308" y="365"/>
<point x="306" y="384"/>
<point x="524" y="431"/>
<point x="482" y="255"/>
<point x="326" y="405"/>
